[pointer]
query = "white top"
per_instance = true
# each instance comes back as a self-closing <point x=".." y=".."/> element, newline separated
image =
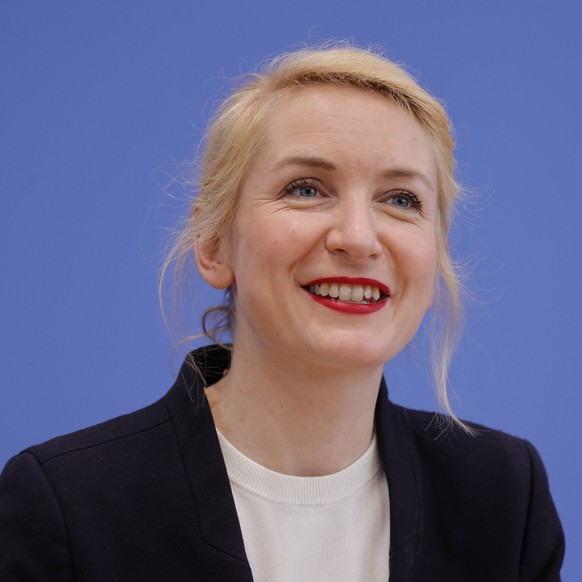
<point x="334" y="528"/>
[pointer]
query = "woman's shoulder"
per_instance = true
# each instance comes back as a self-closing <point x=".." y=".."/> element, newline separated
<point x="486" y="492"/>
<point x="184" y="392"/>
<point x="482" y="452"/>
<point x="101" y="494"/>
<point x="105" y="434"/>
<point x="438" y="430"/>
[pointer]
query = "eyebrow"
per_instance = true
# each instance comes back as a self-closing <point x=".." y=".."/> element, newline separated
<point x="322" y="163"/>
<point x="408" y="173"/>
<point x="312" y="162"/>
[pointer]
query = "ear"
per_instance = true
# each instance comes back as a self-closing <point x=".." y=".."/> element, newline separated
<point x="213" y="261"/>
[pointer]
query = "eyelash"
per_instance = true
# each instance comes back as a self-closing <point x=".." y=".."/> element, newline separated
<point x="290" y="190"/>
<point x="415" y="201"/>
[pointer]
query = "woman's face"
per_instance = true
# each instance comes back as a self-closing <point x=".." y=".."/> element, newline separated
<point x="332" y="254"/>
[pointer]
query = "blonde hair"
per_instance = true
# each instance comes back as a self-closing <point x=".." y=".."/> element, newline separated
<point x="238" y="128"/>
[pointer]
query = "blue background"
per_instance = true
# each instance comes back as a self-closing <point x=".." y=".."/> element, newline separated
<point x="102" y="105"/>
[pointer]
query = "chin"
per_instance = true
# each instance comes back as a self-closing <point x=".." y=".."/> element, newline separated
<point x="353" y="355"/>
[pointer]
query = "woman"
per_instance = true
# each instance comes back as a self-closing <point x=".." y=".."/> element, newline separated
<point x="323" y="206"/>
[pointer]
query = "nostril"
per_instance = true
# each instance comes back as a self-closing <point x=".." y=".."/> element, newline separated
<point x="355" y="246"/>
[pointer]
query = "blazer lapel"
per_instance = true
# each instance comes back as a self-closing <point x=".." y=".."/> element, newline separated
<point x="405" y="510"/>
<point x="218" y="520"/>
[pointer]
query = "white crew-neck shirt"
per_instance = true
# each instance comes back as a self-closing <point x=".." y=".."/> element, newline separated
<point x="334" y="528"/>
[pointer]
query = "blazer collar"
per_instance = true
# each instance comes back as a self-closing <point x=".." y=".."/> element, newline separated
<point x="202" y="457"/>
<point x="219" y="525"/>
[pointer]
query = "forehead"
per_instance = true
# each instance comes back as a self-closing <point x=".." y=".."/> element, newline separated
<point x="350" y="124"/>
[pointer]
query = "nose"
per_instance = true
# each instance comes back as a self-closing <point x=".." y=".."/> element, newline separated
<point x="353" y="231"/>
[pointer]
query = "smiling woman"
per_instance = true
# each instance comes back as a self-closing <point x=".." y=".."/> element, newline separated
<point x="322" y="210"/>
<point x="241" y="126"/>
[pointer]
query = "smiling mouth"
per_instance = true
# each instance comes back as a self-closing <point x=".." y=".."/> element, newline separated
<point x="347" y="293"/>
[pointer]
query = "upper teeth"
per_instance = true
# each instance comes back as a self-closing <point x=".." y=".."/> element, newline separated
<point x="346" y="292"/>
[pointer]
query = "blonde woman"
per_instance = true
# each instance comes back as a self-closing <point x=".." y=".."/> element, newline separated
<point x="323" y="207"/>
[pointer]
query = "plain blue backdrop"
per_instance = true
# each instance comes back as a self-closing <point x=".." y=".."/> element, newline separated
<point x="102" y="105"/>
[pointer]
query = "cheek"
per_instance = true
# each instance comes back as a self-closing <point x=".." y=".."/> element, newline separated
<point x="427" y="261"/>
<point x="427" y="268"/>
<point x="258" y="250"/>
<point x="418" y="263"/>
<point x="277" y="239"/>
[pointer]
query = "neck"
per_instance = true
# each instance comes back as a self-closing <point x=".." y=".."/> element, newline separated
<point x="293" y="418"/>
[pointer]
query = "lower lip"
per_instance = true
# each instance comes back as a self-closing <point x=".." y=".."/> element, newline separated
<point x="351" y="308"/>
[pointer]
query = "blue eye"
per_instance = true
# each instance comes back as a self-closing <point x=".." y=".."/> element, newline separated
<point x="400" y="200"/>
<point x="404" y="199"/>
<point x="304" y="188"/>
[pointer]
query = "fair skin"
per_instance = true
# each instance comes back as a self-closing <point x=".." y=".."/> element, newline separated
<point x="342" y="191"/>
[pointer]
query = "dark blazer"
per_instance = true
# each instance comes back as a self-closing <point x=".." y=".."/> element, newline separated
<point x="146" y="497"/>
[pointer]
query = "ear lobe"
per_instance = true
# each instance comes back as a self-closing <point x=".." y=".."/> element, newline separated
<point x="213" y="263"/>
